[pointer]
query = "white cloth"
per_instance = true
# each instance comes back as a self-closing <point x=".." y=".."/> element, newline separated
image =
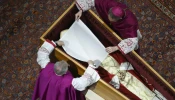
<point x="139" y="35"/>
<point x="82" y="44"/>
<point x="115" y="82"/>
<point x="85" y="4"/>
<point x="126" y="66"/>
<point x="89" y="77"/>
<point x="158" y="96"/>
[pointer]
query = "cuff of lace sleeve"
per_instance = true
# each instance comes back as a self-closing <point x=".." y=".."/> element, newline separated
<point x="78" y="6"/>
<point x="51" y="42"/>
<point x="95" y="76"/>
<point x="120" y="50"/>
<point x="49" y="46"/>
<point x="92" y="66"/>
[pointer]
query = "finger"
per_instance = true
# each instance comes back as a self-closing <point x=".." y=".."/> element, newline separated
<point x="62" y="43"/>
<point x="110" y="50"/>
<point x="76" y="16"/>
<point x="107" y="50"/>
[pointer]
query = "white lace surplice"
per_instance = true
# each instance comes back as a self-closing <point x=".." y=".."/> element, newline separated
<point x="85" y="4"/>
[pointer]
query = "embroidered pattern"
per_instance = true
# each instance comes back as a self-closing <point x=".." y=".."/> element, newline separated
<point x="88" y="77"/>
<point x="85" y="4"/>
<point x="128" y="45"/>
<point x="43" y="49"/>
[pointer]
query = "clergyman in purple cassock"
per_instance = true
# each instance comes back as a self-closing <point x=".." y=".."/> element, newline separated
<point x="50" y="86"/>
<point x="126" y="27"/>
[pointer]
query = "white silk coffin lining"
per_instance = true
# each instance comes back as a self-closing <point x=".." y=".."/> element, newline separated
<point x="82" y="44"/>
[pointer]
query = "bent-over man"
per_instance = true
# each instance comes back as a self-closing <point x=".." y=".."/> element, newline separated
<point x="119" y="18"/>
<point x="55" y="82"/>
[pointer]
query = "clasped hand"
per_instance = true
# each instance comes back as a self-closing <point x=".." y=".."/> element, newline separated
<point x="95" y="64"/>
<point x="60" y="43"/>
<point x="78" y="15"/>
<point x="111" y="49"/>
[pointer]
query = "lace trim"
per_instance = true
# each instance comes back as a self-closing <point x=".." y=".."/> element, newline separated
<point x="88" y="77"/>
<point x="43" y="49"/>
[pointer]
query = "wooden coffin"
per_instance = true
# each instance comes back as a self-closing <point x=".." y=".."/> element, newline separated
<point x="108" y="38"/>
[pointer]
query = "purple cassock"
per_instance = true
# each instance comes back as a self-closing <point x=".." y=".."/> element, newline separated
<point x="49" y="86"/>
<point x="126" y="27"/>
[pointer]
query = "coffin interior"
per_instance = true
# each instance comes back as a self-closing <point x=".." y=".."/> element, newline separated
<point x="108" y="38"/>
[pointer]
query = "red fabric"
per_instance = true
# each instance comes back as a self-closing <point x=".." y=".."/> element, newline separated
<point x="127" y="93"/>
<point x="120" y="50"/>
<point x="108" y="77"/>
<point x="108" y="39"/>
<point x="118" y="57"/>
<point x="51" y="43"/>
<point x="79" y="5"/>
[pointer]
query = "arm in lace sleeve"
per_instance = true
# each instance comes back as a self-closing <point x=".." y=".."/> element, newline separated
<point x="89" y="77"/>
<point x="44" y="52"/>
<point x="85" y="5"/>
<point x="127" y="45"/>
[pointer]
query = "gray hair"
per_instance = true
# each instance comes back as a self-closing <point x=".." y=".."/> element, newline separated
<point x="112" y="15"/>
<point x="61" y="67"/>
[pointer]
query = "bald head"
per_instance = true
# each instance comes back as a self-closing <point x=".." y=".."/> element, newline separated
<point x="61" y="67"/>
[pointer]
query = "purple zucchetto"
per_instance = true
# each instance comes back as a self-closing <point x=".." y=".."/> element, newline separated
<point x="117" y="11"/>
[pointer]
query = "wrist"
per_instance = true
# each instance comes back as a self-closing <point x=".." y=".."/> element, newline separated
<point x="56" y="44"/>
<point x="59" y="43"/>
<point x="51" y="42"/>
<point x="93" y="66"/>
<point x="116" y="48"/>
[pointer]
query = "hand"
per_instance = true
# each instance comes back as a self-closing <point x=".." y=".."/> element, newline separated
<point x="90" y="62"/>
<point x="111" y="49"/>
<point x="60" y="43"/>
<point x="78" y="15"/>
<point x="94" y="64"/>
